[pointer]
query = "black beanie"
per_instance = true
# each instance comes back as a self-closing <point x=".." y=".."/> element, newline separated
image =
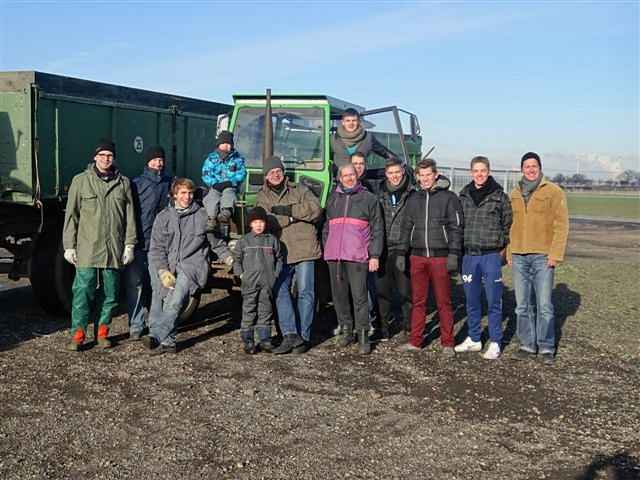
<point x="272" y="162"/>
<point x="529" y="155"/>
<point x="105" y="144"/>
<point x="257" y="213"/>
<point x="225" y="137"/>
<point x="153" y="151"/>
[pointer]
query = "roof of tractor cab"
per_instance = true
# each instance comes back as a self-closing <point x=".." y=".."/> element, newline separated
<point x="336" y="104"/>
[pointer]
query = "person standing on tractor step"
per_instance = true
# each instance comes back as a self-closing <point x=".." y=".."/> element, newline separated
<point x="292" y="212"/>
<point x="258" y="262"/>
<point x="538" y="241"/>
<point x="487" y="221"/>
<point x="353" y="237"/>
<point x="432" y="228"/>
<point x="178" y="264"/>
<point x="393" y="274"/>
<point x="150" y="195"/>
<point x="350" y="138"/>
<point x="99" y="236"/>
<point x="223" y="172"/>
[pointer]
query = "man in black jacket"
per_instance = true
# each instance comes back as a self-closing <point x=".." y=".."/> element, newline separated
<point x="432" y="229"/>
<point x="488" y="217"/>
<point x="393" y="274"/>
<point x="351" y="138"/>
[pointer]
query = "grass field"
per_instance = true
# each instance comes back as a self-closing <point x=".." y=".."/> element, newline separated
<point x="599" y="205"/>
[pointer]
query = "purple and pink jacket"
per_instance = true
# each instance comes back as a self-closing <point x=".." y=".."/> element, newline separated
<point x="353" y="230"/>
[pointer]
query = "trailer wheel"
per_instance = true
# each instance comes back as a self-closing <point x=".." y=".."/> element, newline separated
<point x="192" y="306"/>
<point x="43" y="278"/>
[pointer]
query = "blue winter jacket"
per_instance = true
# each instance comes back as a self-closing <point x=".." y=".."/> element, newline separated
<point x="218" y="169"/>
<point x="150" y="195"/>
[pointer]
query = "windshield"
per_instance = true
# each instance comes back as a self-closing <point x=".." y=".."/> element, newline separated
<point x="297" y="137"/>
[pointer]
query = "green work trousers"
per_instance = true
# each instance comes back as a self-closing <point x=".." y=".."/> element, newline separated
<point x="94" y="290"/>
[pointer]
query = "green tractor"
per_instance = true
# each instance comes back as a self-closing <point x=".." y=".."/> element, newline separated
<point x="300" y="134"/>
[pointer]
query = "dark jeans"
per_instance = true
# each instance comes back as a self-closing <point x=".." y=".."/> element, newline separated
<point x="389" y="280"/>
<point x="426" y="271"/>
<point x="349" y="281"/>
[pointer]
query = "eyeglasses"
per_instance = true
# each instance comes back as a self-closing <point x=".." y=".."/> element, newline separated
<point x="104" y="155"/>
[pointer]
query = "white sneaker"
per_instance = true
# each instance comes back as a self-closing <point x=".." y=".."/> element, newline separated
<point x="468" y="346"/>
<point x="493" y="351"/>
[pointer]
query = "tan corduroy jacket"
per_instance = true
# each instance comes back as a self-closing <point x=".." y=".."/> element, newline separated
<point x="542" y="226"/>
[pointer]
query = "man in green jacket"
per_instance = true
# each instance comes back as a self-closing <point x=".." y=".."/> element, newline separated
<point x="99" y="235"/>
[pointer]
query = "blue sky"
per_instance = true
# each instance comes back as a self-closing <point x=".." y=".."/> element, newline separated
<point x="495" y="78"/>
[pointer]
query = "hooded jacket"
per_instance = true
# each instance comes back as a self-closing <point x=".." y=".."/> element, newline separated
<point x="218" y="169"/>
<point x="258" y="259"/>
<point x="353" y="230"/>
<point x="179" y="244"/>
<point x="433" y="222"/>
<point x="297" y="233"/>
<point x="542" y="225"/>
<point x="150" y="195"/>
<point x="99" y="219"/>
<point x="486" y="225"/>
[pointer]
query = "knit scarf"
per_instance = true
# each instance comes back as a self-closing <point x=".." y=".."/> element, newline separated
<point x="106" y="176"/>
<point x="479" y="194"/>
<point x="527" y="187"/>
<point x="351" y="139"/>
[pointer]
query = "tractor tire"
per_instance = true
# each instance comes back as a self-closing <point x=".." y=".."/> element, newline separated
<point x="46" y="273"/>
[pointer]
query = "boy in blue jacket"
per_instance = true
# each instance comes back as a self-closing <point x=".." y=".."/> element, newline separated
<point x="223" y="172"/>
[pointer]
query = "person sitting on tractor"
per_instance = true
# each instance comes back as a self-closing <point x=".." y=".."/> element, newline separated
<point x="223" y="172"/>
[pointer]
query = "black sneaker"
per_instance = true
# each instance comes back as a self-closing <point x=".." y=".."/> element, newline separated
<point x="548" y="358"/>
<point x="162" y="349"/>
<point x="266" y="346"/>
<point x="300" y="349"/>
<point x="150" y="342"/>
<point x="289" y="342"/>
<point x="225" y="215"/>
<point x="523" y="355"/>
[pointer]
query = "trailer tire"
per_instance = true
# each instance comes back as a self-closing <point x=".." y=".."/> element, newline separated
<point x="43" y="274"/>
<point x="190" y="308"/>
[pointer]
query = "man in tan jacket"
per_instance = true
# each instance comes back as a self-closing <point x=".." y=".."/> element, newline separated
<point x="538" y="242"/>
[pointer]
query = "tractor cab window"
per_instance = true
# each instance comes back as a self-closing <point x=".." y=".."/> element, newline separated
<point x="297" y="136"/>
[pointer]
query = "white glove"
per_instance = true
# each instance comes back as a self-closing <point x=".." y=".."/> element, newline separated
<point x="71" y="256"/>
<point x="128" y="255"/>
<point x="228" y="261"/>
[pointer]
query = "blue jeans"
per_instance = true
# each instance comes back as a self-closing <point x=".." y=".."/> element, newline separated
<point x="306" y="286"/>
<point x="476" y="271"/>
<point x="138" y="291"/>
<point x="163" y="317"/>
<point x="536" y="322"/>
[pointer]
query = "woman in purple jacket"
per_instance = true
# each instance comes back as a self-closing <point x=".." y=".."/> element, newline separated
<point x="353" y="237"/>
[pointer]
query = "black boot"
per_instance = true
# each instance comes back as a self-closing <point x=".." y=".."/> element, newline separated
<point x="365" y="345"/>
<point x="289" y="342"/>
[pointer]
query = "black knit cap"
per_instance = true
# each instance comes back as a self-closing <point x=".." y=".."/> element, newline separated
<point x="105" y="144"/>
<point x="529" y="155"/>
<point x="153" y="151"/>
<point x="225" y="137"/>
<point x="272" y="162"/>
<point x="258" y="213"/>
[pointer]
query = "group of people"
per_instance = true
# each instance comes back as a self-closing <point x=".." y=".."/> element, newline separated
<point x="384" y="241"/>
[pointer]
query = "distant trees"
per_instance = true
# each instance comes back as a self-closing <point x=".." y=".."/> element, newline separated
<point x="629" y="177"/>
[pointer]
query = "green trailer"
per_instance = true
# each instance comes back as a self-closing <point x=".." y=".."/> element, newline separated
<point x="49" y="125"/>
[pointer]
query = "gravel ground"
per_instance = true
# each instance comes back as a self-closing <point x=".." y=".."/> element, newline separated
<point x="212" y="412"/>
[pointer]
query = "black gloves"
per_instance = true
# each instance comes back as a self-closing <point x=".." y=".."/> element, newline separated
<point x="401" y="263"/>
<point x="284" y="210"/>
<point x="452" y="263"/>
<point x="221" y="186"/>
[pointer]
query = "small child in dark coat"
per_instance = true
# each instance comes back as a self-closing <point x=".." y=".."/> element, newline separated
<point x="258" y="262"/>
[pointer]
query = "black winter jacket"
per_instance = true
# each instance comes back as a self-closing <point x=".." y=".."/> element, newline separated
<point x="487" y="225"/>
<point x="150" y="195"/>
<point x="258" y="258"/>
<point x="394" y="208"/>
<point x="433" y="222"/>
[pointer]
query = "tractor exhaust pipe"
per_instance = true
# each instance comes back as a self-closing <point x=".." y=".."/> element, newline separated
<point x="267" y="149"/>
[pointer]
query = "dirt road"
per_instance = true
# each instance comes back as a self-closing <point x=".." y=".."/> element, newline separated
<point x="212" y="412"/>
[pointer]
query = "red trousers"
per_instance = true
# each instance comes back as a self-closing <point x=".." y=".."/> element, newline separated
<point x="425" y="271"/>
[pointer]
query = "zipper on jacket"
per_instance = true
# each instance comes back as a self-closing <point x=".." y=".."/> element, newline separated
<point x="446" y="239"/>
<point x="346" y="207"/>
<point x="426" y="224"/>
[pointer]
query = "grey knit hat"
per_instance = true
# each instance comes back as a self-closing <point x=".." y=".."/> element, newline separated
<point x="272" y="162"/>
